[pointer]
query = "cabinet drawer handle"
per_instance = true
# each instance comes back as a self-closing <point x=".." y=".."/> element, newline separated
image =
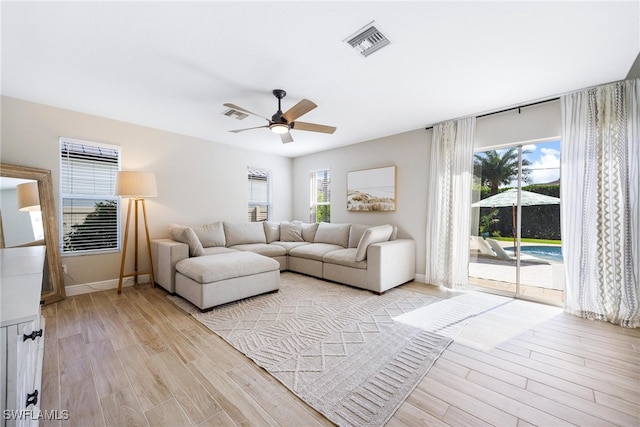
<point x="33" y="335"/>
<point x="32" y="398"/>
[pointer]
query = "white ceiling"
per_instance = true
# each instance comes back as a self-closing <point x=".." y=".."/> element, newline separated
<point x="172" y="65"/>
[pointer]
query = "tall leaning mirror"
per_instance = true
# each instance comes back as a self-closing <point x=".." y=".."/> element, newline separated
<point x="23" y="224"/>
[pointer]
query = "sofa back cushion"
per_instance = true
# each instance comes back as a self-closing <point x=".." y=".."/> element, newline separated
<point x="184" y="234"/>
<point x="291" y="232"/>
<point x="336" y="234"/>
<point x="241" y="233"/>
<point x="372" y="235"/>
<point x="271" y="231"/>
<point x="210" y="235"/>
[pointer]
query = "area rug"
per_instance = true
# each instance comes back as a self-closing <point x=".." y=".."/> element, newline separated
<point x="346" y="352"/>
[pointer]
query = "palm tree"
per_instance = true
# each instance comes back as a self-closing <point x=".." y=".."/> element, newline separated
<point x="495" y="169"/>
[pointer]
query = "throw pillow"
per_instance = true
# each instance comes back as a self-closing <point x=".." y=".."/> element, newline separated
<point x="372" y="235"/>
<point x="210" y="235"/>
<point x="291" y="232"/>
<point x="357" y="230"/>
<point x="184" y="234"/>
<point x="309" y="232"/>
<point x="336" y="234"/>
<point x="272" y="231"/>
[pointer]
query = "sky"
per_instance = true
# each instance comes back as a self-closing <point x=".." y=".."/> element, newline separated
<point x="545" y="162"/>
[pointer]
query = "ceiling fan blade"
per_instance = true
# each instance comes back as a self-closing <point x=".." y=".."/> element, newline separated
<point x="313" y="127"/>
<point x="242" y="130"/>
<point x="302" y="107"/>
<point x="286" y="137"/>
<point x="235" y="107"/>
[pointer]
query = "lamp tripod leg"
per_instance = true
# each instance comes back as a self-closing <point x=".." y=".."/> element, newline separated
<point x="124" y="247"/>
<point x="146" y="229"/>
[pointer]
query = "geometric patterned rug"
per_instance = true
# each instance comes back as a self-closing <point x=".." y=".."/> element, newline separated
<point x="347" y="352"/>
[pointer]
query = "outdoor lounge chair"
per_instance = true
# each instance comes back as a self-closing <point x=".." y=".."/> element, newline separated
<point x="483" y="248"/>
<point x="501" y="254"/>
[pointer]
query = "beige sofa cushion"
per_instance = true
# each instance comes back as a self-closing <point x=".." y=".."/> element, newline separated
<point x="289" y="245"/>
<point x="262" y="249"/>
<point x="240" y="233"/>
<point x="372" y="235"/>
<point x="207" y="269"/>
<point x="210" y="235"/>
<point x="314" y="251"/>
<point x="214" y="250"/>
<point x="271" y="231"/>
<point x="346" y="257"/>
<point x="291" y="232"/>
<point x="184" y="234"/>
<point x="335" y="234"/>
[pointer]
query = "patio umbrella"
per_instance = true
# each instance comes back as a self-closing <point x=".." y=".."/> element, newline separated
<point x="510" y="198"/>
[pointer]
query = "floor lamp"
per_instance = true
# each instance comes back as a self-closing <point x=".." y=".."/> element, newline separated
<point x="136" y="186"/>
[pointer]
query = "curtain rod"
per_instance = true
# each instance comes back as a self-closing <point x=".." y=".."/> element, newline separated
<point x="510" y="109"/>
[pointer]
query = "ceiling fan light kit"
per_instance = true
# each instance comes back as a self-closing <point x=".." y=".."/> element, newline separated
<point x="281" y="123"/>
<point x="279" y="128"/>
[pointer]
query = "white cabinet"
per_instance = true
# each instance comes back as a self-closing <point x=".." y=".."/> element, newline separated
<point x="21" y="335"/>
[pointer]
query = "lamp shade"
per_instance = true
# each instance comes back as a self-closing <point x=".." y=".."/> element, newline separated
<point x="136" y="184"/>
<point x="28" y="198"/>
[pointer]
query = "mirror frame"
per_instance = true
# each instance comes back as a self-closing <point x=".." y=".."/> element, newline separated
<point x="49" y="224"/>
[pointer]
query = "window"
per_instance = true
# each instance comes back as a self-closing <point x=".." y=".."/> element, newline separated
<point x="90" y="212"/>
<point x="259" y="185"/>
<point x="320" y="202"/>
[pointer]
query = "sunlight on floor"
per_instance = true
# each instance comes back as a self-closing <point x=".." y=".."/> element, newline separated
<point x="500" y="319"/>
<point x="478" y="320"/>
<point x="446" y="317"/>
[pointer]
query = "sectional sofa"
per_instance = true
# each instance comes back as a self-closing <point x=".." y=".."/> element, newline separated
<point x="215" y="263"/>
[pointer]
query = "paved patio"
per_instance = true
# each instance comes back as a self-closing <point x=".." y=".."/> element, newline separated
<point x="539" y="279"/>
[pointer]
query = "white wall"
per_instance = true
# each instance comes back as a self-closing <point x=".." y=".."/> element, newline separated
<point x="198" y="180"/>
<point x="408" y="151"/>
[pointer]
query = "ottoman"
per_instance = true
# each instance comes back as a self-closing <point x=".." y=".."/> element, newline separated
<point x="211" y="280"/>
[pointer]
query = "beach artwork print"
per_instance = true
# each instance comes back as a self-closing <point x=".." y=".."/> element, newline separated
<point x="372" y="190"/>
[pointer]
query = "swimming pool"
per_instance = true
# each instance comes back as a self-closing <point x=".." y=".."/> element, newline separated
<point x="550" y="253"/>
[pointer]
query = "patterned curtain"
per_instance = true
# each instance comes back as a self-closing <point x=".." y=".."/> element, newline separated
<point x="449" y="198"/>
<point x="600" y="180"/>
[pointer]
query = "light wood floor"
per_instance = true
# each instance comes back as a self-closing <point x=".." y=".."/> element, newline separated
<point x="136" y="359"/>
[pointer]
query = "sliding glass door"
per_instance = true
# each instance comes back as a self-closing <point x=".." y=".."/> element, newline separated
<point x="515" y="242"/>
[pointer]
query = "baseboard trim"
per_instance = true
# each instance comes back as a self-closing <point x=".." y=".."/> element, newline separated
<point x="87" y="288"/>
<point x="105" y="285"/>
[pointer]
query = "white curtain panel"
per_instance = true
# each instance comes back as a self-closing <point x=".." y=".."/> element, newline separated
<point x="449" y="199"/>
<point x="600" y="162"/>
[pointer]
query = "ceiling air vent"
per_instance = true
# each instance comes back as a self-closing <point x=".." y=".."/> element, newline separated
<point x="368" y="40"/>
<point x="235" y="114"/>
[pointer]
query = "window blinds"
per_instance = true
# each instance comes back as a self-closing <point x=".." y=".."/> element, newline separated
<point x="90" y="212"/>
<point x="258" y="187"/>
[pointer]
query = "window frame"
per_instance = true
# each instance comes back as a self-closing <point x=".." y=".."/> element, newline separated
<point x="64" y="196"/>
<point x="314" y="192"/>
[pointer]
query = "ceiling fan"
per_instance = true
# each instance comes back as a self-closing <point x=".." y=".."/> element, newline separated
<point x="281" y="123"/>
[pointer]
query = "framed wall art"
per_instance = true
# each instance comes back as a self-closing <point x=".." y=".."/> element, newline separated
<point x="372" y="190"/>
